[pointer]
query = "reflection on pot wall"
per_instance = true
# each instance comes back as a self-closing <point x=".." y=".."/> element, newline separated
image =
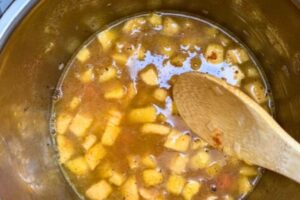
<point x="32" y="60"/>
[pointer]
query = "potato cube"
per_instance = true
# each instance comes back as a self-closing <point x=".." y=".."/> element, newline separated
<point x="214" y="169"/>
<point x="133" y="161"/>
<point x="130" y="190"/>
<point x="178" y="141"/>
<point x="142" y="115"/>
<point x="134" y="25"/>
<point x="152" y="177"/>
<point x="236" y="56"/>
<point x="110" y="135"/>
<point x="78" y="166"/>
<point x="149" y="76"/>
<point x="99" y="191"/>
<point x="214" y="54"/>
<point x="178" y="60"/>
<point x="244" y="185"/>
<point x="105" y="170"/>
<point x="120" y="58"/>
<point x="62" y="123"/>
<point x="149" y="194"/>
<point x="94" y="155"/>
<point x="83" y="55"/>
<point x="117" y="92"/>
<point x="107" y="74"/>
<point x="175" y="184"/>
<point x="152" y="128"/>
<point x="155" y="20"/>
<point x="248" y="171"/>
<point x="117" y="178"/>
<point x="198" y="143"/>
<point x="106" y="39"/>
<point x="170" y="27"/>
<point x="89" y="141"/>
<point x="115" y="117"/>
<point x="75" y="102"/>
<point x="200" y="160"/>
<point x="191" y="189"/>
<point x="160" y="94"/>
<point x="178" y="163"/>
<point x="65" y="147"/>
<point x="87" y="76"/>
<point x="149" y="161"/>
<point x="80" y="124"/>
<point x="257" y="91"/>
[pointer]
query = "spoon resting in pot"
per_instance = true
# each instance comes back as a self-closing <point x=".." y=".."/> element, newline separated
<point x="231" y="121"/>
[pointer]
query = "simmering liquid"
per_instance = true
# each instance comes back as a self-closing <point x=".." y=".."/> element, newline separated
<point x="117" y="130"/>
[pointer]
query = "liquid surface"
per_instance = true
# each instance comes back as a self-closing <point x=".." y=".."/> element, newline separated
<point x="118" y="132"/>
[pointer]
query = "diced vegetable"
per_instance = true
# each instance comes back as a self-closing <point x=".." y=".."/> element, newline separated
<point x="118" y="92"/>
<point x="152" y="128"/>
<point x="120" y="58"/>
<point x="149" y="161"/>
<point x="87" y="76"/>
<point x="244" y="185"/>
<point x="214" y="53"/>
<point x="130" y="190"/>
<point x="155" y="20"/>
<point x="175" y="184"/>
<point x="191" y="189"/>
<point x="134" y="25"/>
<point x="149" y="76"/>
<point x="117" y="178"/>
<point x="105" y="170"/>
<point x="178" y="141"/>
<point x="152" y="177"/>
<point x="148" y="194"/>
<point x="110" y="135"/>
<point x="65" y="147"/>
<point x="142" y="115"/>
<point x="200" y="160"/>
<point x="178" y="163"/>
<point x="80" y="124"/>
<point x="99" y="191"/>
<point x="75" y="102"/>
<point x="62" y="123"/>
<point x="170" y="27"/>
<point x="248" y="171"/>
<point x="236" y="56"/>
<point x="178" y="60"/>
<point x="89" y="141"/>
<point x="196" y="63"/>
<point x="256" y="91"/>
<point x="198" y="143"/>
<point x="214" y="169"/>
<point x="78" y="166"/>
<point x="107" y="74"/>
<point x="83" y="55"/>
<point x="115" y="117"/>
<point x="160" y="94"/>
<point x="133" y="161"/>
<point x="107" y="39"/>
<point x="94" y="155"/>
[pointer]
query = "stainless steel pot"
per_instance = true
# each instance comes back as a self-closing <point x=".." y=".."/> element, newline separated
<point x="38" y="37"/>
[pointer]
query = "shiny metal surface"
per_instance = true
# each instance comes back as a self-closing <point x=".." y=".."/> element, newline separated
<point x="33" y="56"/>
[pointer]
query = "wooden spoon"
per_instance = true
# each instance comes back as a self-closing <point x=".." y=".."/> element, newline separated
<point x="230" y="120"/>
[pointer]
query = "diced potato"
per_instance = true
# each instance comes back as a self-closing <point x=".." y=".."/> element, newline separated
<point x="178" y="163"/>
<point x="94" y="155"/>
<point x="107" y="74"/>
<point x="148" y="194"/>
<point x="110" y="135"/>
<point x="175" y="184"/>
<point x="87" y="76"/>
<point x="170" y="27"/>
<point x="117" y="178"/>
<point x="83" y="55"/>
<point x="130" y="190"/>
<point x="238" y="74"/>
<point x="191" y="189"/>
<point x="248" y="171"/>
<point x="196" y="63"/>
<point x="115" y="117"/>
<point x="62" y="123"/>
<point x="105" y="170"/>
<point x="133" y="161"/>
<point x="120" y="58"/>
<point x="155" y="20"/>
<point x="116" y="93"/>
<point x="149" y="76"/>
<point x="65" y="147"/>
<point x="214" y="169"/>
<point x="134" y="25"/>
<point x="244" y="185"/>
<point x="89" y="141"/>
<point x="78" y="166"/>
<point x="142" y="115"/>
<point x="214" y="53"/>
<point x="99" y="191"/>
<point x="152" y="177"/>
<point x="236" y="56"/>
<point x="80" y="124"/>
<point x="178" y="60"/>
<point x="107" y="39"/>
<point x="257" y="91"/>
<point x="75" y="102"/>
<point x="160" y="94"/>
<point x="198" y="143"/>
<point x="152" y="128"/>
<point x="200" y="160"/>
<point x="178" y="141"/>
<point x="149" y="161"/>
